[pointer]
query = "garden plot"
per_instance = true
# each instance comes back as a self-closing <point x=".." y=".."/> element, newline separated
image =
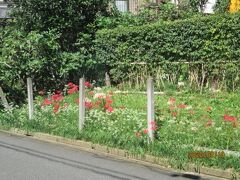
<point x="183" y="122"/>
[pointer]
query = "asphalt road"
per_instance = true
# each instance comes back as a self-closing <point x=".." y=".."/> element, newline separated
<point x="24" y="158"/>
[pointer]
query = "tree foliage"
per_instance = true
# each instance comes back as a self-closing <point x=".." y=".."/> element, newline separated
<point x="70" y="18"/>
<point x="222" y="6"/>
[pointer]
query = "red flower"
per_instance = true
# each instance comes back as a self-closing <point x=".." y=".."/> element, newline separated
<point x="41" y="93"/>
<point x="152" y="122"/>
<point x="229" y="118"/>
<point x="108" y="100"/>
<point x="65" y="105"/>
<point x="70" y="85"/>
<point x="182" y="106"/>
<point x="91" y="93"/>
<point x="191" y="112"/>
<point x="47" y="102"/>
<point x="174" y="114"/>
<point x="145" y="131"/>
<point x="209" y="108"/>
<point x="77" y="100"/>
<point x="209" y="123"/>
<point x="74" y="89"/>
<point x="153" y="125"/>
<point x="57" y="92"/>
<point x="88" y="105"/>
<point x="235" y="124"/>
<point x="106" y="106"/>
<point x="57" y="97"/>
<point x="171" y="107"/>
<point x="110" y="109"/>
<point x="122" y="107"/>
<point x="88" y="84"/>
<point x="97" y="103"/>
<point x="138" y="134"/>
<point x="171" y="101"/>
<point x="56" y="108"/>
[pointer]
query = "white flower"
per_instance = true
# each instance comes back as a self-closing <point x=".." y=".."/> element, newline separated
<point x="182" y="122"/>
<point x="117" y="91"/>
<point x="181" y="83"/>
<point x="189" y="107"/>
<point x="99" y="95"/>
<point x="194" y="129"/>
<point x="97" y="89"/>
<point x="172" y="121"/>
<point x="219" y="129"/>
<point x="87" y="100"/>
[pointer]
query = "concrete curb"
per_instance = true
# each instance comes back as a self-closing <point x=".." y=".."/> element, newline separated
<point x="123" y="154"/>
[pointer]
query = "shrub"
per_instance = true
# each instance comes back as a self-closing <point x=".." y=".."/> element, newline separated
<point x="207" y="39"/>
<point x="35" y="55"/>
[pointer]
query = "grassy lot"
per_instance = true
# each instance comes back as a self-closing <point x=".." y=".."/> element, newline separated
<point x="183" y="121"/>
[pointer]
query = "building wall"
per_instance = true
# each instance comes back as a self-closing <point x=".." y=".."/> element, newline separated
<point x="3" y="10"/>
<point x="134" y="5"/>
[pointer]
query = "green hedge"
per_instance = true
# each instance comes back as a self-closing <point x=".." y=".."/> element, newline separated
<point x="205" y="40"/>
<point x="208" y="38"/>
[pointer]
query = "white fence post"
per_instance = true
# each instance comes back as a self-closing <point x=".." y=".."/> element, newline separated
<point x="30" y="98"/>
<point x="81" y="103"/>
<point x="150" y="108"/>
<point x="4" y="100"/>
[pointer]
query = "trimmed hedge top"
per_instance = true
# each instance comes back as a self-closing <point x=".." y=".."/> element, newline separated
<point x="210" y="38"/>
